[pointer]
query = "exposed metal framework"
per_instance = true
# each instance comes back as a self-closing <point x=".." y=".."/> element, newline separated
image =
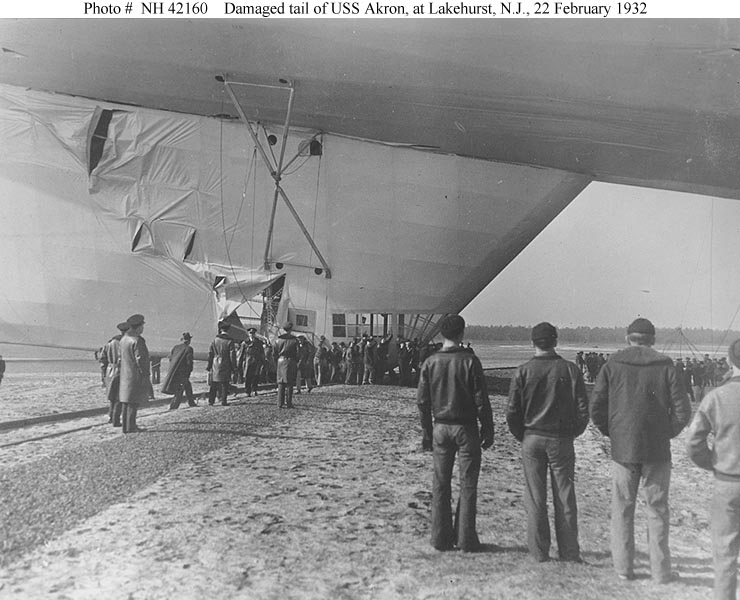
<point x="276" y="169"/>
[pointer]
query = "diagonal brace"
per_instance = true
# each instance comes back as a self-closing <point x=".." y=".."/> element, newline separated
<point x="276" y="171"/>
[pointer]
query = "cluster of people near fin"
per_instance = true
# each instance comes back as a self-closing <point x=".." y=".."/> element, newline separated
<point x="292" y="362"/>
<point x="639" y="401"/>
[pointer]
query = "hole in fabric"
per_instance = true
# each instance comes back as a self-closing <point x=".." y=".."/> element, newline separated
<point x="97" y="141"/>
<point x="189" y="248"/>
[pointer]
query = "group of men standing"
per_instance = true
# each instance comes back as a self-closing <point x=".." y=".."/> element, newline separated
<point x="127" y="379"/>
<point x="698" y="375"/>
<point x="638" y="401"/>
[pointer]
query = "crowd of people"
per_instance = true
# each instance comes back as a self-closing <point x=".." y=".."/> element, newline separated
<point x="255" y="361"/>
<point x="590" y="363"/>
<point x="697" y="375"/>
<point x="639" y="401"/>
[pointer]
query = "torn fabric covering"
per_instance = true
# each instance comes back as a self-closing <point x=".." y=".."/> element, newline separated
<point x="176" y="201"/>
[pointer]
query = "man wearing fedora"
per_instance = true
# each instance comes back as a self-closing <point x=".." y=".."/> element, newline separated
<point x="135" y="387"/>
<point x="177" y="381"/>
<point x="548" y="408"/>
<point x="639" y="403"/>
<point x="286" y="352"/>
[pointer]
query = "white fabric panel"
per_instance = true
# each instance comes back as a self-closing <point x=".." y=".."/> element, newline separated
<point x="403" y="231"/>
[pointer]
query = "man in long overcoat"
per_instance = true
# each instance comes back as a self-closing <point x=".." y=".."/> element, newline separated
<point x="221" y="364"/>
<point x="135" y="387"/>
<point x="286" y="352"/>
<point x="112" y="351"/>
<point x="177" y="381"/>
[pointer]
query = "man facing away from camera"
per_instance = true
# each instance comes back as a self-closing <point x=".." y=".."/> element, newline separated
<point x="640" y="405"/>
<point x="714" y="444"/>
<point x="177" y="380"/>
<point x="135" y="387"/>
<point x="452" y="400"/>
<point x="548" y="408"/>
<point x="221" y="361"/>
<point x="112" y="350"/>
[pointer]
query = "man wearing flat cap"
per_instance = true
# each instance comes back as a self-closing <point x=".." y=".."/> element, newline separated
<point x="177" y="381"/>
<point x="136" y="386"/>
<point x="286" y="352"/>
<point x="639" y="403"/>
<point x="221" y="363"/>
<point x="548" y="409"/>
<point x="112" y="353"/>
<point x="714" y="444"/>
<point x="452" y="400"/>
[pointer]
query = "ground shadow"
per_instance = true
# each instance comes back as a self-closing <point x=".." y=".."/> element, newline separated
<point x="234" y="432"/>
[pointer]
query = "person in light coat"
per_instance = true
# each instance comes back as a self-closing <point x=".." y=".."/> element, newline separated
<point x="112" y="350"/>
<point x="221" y="364"/>
<point x="713" y="443"/>
<point x="135" y="386"/>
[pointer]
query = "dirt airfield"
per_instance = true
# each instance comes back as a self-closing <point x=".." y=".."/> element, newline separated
<point x="330" y="500"/>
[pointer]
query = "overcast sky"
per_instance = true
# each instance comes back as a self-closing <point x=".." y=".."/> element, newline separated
<point x="620" y="252"/>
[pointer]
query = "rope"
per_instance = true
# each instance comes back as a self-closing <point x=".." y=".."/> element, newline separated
<point x="244" y="196"/>
<point x="254" y="209"/>
<point x="711" y="270"/>
<point x="221" y="198"/>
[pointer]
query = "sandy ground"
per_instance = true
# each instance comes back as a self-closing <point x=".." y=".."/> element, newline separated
<point x="331" y="500"/>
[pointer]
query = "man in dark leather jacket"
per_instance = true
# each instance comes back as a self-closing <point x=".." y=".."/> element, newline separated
<point x="452" y="399"/>
<point x="548" y="408"/>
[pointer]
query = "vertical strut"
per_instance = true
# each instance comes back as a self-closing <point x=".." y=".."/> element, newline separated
<point x="276" y="171"/>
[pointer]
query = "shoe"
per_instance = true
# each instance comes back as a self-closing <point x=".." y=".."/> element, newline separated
<point x="137" y="430"/>
<point x="577" y="560"/>
<point x="670" y="578"/>
<point x="626" y="576"/>
<point x="211" y="403"/>
<point x="224" y="404"/>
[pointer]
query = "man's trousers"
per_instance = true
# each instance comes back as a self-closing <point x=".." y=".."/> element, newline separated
<point x="656" y="479"/>
<point x="464" y="441"/>
<point x="539" y="454"/>
<point x="725" y="517"/>
<point x="128" y="417"/>
<point x="183" y="389"/>
<point x="220" y="389"/>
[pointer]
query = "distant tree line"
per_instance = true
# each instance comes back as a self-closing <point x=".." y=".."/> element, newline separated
<point x="600" y="335"/>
